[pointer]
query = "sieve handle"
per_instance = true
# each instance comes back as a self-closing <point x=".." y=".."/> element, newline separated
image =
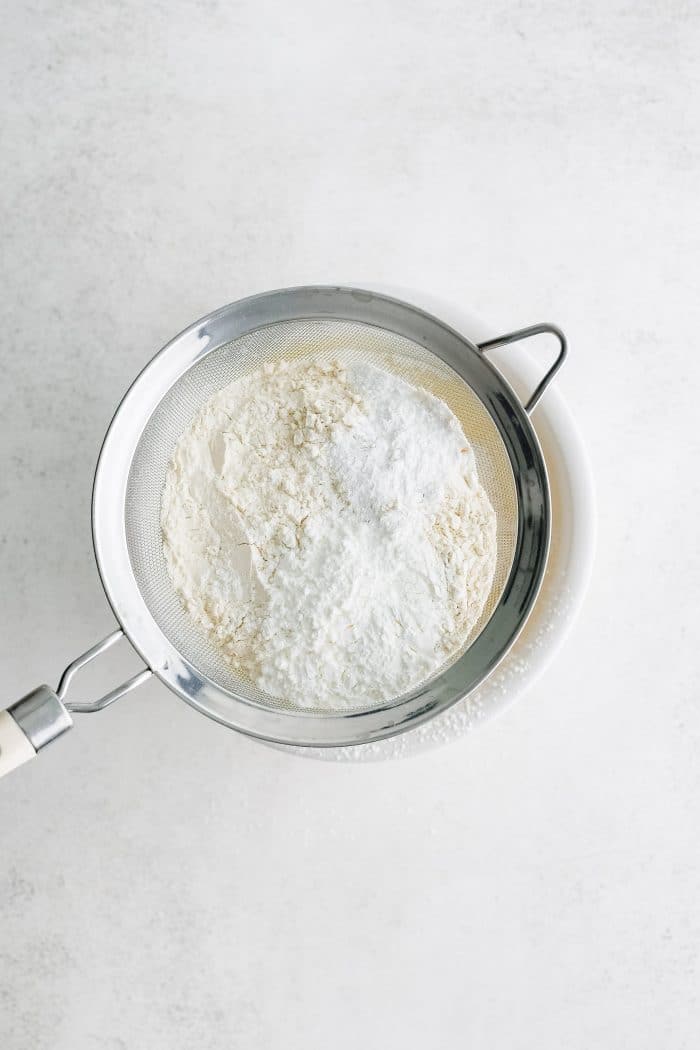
<point x="43" y="715"/>
<point x="527" y="333"/>
<point x="81" y="707"/>
<point x="29" y="725"/>
<point x="15" y="746"/>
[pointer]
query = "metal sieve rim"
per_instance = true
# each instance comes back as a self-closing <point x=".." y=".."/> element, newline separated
<point x="347" y="304"/>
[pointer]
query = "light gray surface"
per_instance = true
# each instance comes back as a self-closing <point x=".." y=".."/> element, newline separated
<point x="166" y="884"/>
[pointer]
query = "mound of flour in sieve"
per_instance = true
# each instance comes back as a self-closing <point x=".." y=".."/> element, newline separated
<point x="327" y="530"/>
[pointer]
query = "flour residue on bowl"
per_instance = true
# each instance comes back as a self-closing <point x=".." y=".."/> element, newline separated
<point x="326" y="528"/>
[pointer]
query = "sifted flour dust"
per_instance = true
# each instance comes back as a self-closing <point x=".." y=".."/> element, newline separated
<point x="327" y="529"/>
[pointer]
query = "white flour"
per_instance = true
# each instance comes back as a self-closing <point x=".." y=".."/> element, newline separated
<point x="328" y="531"/>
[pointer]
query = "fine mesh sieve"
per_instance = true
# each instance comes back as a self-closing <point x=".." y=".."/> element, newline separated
<point x="324" y="323"/>
<point x="320" y="339"/>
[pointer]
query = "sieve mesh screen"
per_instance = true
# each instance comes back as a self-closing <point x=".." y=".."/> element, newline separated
<point x="322" y="339"/>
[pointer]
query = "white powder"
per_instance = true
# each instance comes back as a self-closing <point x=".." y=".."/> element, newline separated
<point x="328" y="531"/>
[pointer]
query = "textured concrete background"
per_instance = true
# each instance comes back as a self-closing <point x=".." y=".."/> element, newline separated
<point x="167" y="884"/>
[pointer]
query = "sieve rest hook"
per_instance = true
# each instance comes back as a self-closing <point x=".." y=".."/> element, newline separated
<point x="525" y="333"/>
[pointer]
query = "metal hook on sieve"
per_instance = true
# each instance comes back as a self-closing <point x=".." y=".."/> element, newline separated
<point x="526" y="333"/>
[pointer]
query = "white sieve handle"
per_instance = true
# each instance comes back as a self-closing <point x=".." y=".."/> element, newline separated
<point x="29" y="725"/>
<point x="526" y="333"/>
<point x="43" y="715"/>
<point x="15" y="747"/>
